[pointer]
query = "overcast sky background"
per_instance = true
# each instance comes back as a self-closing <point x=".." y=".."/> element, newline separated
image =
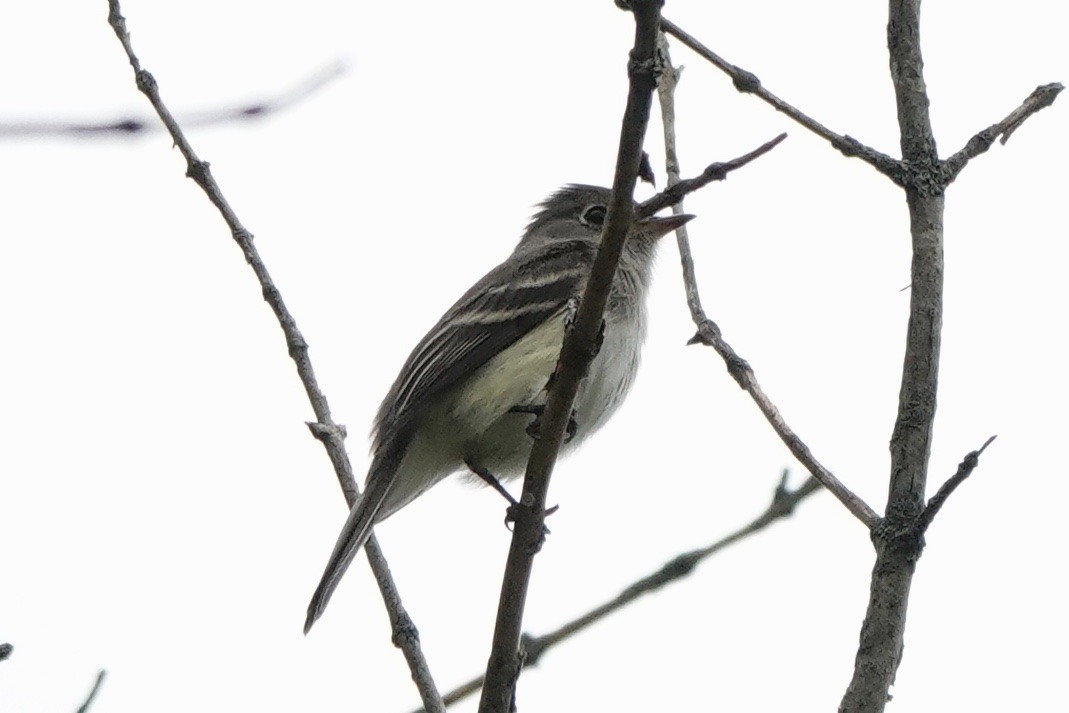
<point x="165" y="515"/>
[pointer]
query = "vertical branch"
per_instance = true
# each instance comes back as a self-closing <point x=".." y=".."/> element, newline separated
<point x="911" y="441"/>
<point x="578" y="350"/>
<point x="898" y="539"/>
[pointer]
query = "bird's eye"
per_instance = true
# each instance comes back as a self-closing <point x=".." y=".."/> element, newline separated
<point x="593" y="216"/>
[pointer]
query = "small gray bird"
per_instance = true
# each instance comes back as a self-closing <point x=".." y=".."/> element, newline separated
<point x="466" y="395"/>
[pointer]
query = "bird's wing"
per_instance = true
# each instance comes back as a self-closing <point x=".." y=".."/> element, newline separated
<point x="505" y="304"/>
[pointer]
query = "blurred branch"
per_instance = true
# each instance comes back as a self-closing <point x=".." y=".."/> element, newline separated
<point x="783" y="504"/>
<point x="132" y="126"/>
<point x="331" y="434"/>
<point x="93" y="693"/>
<point x="5" y="651"/>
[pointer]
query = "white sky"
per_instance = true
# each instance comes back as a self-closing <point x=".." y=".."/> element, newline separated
<point x="165" y="515"/>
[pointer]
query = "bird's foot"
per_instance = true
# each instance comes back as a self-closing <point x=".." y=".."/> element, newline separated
<point x="516" y="509"/>
<point x="534" y="429"/>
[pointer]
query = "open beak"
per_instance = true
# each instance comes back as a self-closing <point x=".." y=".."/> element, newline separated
<point x="656" y="226"/>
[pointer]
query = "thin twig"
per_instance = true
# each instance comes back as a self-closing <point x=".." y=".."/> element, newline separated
<point x="1040" y="98"/>
<point x="709" y="335"/>
<point x="324" y="429"/>
<point x="577" y="351"/>
<point x="783" y="504"/>
<point x="718" y="171"/>
<point x="135" y="126"/>
<point x="708" y="332"/>
<point x="93" y="693"/>
<point x="965" y="469"/>
<point x="748" y="83"/>
<point x="666" y="92"/>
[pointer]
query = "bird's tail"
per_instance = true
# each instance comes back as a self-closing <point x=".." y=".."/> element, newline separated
<point x="354" y="534"/>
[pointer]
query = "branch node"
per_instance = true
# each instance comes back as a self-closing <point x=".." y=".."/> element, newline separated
<point x="680" y="566"/>
<point x="899" y="531"/>
<point x="146" y="83"/>
<point x="746" y="82"/>
<point x="848" y="146"/>
<point x="642" y="67"/>
<point x="199" y="171"/>
<point x="324" y="432"/>
<point x="405" y="633"/>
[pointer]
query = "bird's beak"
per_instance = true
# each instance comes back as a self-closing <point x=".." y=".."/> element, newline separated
<point x="656" y="226"/>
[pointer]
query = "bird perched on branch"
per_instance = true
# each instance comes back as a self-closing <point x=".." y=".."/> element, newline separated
<point x="467" y="395"/>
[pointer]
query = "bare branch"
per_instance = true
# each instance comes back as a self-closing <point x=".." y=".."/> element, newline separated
<point x="675" y="192"/>
<point x="783" y="504"/>
<point x="708" y="332"/>
<point x="666" y="88"/>
<point x="132" y="126"/>
<point x="748" y="83"/>
<point x="897" y="540"/>
<point x="783" y="500"/>
<point x="965" y="469"/>
<point x="578" y="350"/>
<point x="709" y="335"/>
<point x="929" y="175"/>
<point x="1039" y="99"/>
<point x="84" y="708"/>
<point x="324" y="429"/>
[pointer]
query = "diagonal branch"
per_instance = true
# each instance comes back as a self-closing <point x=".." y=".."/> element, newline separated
<point x="748" y="83"/>
<point x="578" y="350"/>
<point x="782" y="506"/>
<point x="709" y="333"/>
<point x="324" y="429"/>
<point x="1040" y="98"/>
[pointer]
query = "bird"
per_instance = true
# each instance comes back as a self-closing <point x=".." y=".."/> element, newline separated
<point x="468" y="393"/>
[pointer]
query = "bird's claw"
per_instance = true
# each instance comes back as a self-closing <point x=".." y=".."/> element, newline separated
<point x="534" y="428"/>
<point x="512" y="514"/>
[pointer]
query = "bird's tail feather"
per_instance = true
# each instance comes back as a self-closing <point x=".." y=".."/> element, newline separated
<point x="354" y="534"/>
